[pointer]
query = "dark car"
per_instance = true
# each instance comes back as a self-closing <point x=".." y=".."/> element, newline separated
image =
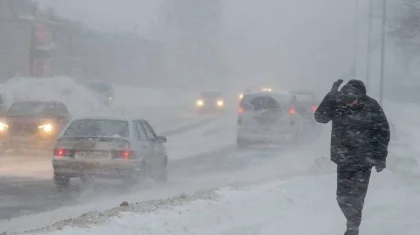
<point x="30" y="125"/>
<point x="210" y="102"/>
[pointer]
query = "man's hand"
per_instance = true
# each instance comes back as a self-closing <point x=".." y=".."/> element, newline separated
<point x="380" y="166"/>
<point x="336" y="85"/>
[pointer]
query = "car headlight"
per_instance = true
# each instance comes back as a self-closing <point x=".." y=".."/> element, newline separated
<point x="3" y="127"/>
<point x="241" y="96"/>
<point x="46" y="127"/>
<point x="220" y="103"/>
<point x="200" y="103"/>
<point x="110" y="98"/>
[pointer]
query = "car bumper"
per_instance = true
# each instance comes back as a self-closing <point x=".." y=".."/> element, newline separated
<point x="106" y="169"/>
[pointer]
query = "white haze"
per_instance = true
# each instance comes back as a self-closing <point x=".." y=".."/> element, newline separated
<point x="273" y="42"/>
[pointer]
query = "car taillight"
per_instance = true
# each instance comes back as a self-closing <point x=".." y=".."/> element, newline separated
<point x="241" y="106"/>
<point x="61" y="152"/>
<point x="314" y="108"/>
<point x="125" y="154"/>
<point x="292" y="111"/>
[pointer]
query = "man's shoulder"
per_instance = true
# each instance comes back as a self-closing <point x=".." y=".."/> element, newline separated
<point x="371" y="101"/>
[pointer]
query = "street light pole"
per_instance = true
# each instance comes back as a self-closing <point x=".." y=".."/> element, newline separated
<point x="381" y="90"/>
<point x="369" y="43"/>
<point x="356" y="9"/>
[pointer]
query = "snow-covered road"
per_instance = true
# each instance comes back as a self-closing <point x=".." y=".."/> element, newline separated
<point x="240" y="192"/>
<point x="26" y="184"/>
<point x="295" y="206"/>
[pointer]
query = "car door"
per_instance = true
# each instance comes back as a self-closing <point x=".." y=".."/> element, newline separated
<point x="158" y="148"/>
<point x="143" y="145"/>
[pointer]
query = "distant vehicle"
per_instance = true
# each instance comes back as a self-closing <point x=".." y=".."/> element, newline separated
<point x="109" y="148"/>
<point x="267" y="89"/>
<point x="307" y="104"/>
<point x="210" y="101"/>
<point x="103" y="91"/>
<point x="241" y="95"/>
<point x="31" y="125"/>
<point x="268" y="117"/>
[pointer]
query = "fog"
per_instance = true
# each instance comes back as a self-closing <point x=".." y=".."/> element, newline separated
<point x="275" y="42"/>
<point x="152" y="59"/>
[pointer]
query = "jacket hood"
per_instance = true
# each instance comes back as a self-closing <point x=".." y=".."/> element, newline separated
<point x="354" y="88"/>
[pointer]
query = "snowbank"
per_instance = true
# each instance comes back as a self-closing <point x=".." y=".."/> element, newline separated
<point x="79" y="100"/>
<point x="140" y="102"/>
<point x="294" y="207"/>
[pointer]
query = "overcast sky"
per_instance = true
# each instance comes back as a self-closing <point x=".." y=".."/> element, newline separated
<point x="281" y="41"/>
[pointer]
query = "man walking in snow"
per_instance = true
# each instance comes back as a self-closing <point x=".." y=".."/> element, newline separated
<point x="359" y="141"/>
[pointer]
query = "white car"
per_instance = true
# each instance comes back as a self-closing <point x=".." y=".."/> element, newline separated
<point x="112" y="148"/>
<point x="268" y="117"/>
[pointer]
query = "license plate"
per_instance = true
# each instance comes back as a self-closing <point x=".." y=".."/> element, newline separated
<point x="93" y="155"/>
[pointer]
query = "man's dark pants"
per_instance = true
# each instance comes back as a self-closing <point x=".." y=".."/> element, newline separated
<point x="352" y="186"/>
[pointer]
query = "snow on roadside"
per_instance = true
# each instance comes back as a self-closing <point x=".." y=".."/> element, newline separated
<point x="404" y="149"/>
<point x="141" y="102"/>
<point x="79" y="100"/>
<point x="294" y="207"/>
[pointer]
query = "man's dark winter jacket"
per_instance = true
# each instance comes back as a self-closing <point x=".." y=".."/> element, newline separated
<point x="360" y="134"/>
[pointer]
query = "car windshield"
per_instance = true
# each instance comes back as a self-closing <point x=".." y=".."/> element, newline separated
<point x="98" y="127"/>
<point x="28" y="109"/>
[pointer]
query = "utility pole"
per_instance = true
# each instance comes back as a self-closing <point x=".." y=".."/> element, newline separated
<point x="369" y="43"/>
<point x="381" y="90"/>
<point x="356" y="10"/>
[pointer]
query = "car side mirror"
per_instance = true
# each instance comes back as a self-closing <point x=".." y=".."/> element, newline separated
<point x="161" y="139"/>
